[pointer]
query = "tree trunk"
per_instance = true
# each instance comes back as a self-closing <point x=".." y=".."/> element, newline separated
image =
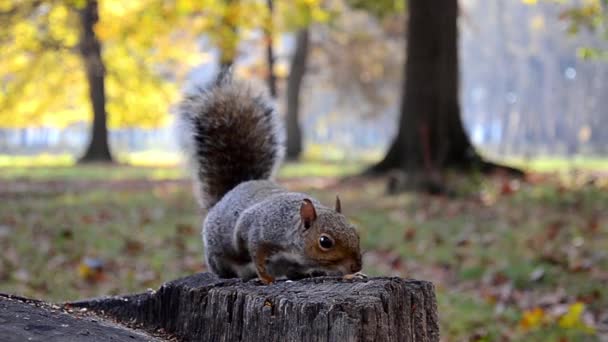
<point x="203" y="307"/>
<point x="90" y="50"/>
<point x="272" y="80"/>
<point x="294" y="84"/>
<point x="431" y="136"/>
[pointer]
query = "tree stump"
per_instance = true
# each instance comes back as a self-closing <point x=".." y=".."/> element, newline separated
<point x="203" y="307"/>
<point x="23" y="319"/>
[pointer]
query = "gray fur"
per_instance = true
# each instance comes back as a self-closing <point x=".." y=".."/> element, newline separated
<point x="230" y="136"/>
<point x="234" y="146"/>
<point x="262" y="211"/>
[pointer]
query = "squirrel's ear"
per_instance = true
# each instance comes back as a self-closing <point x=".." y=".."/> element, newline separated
<point x="338" y="204"/>
<point x="307" y="213"/>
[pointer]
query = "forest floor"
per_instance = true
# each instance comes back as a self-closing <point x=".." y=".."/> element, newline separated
<point x="511" y="259"/>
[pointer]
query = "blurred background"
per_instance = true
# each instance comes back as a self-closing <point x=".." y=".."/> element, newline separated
<point x="467" y="139"/>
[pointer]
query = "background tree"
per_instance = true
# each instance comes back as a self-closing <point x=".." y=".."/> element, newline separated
<point x="44" y="45"/>
<point x="148" y="47"/>
<point x="269" y="40"/>
<point x="297" y="16"/>
<point x="294" y="85"/>
<point x="90" y="50"/>
<point x="431" y="136"/>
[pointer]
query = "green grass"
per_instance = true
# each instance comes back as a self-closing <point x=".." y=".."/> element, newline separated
<point x="146" y="158"/>
<point x="89" y="173"/>
<point x="46" y="160"/>
<point x="320" y="158"/>
<point x="100" y="172"/>
<point x="481" y="251"/>
<point x="311" y="168"/>
<point x="552" y="164"/>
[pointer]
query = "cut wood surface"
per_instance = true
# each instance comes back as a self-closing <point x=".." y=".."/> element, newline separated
<point x="203" y="307"/>
<point x="30" y="320"/>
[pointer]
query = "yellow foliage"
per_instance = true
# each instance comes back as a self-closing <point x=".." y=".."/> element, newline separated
<point x="148" y="46"/>
<point x="573" y="318"/>
<point x="300" y="13"/>
<point x="529" y="2"/>
<point x="59" y="25"/>
<point x="6" y="5"/>
<point x="532" y="318"/>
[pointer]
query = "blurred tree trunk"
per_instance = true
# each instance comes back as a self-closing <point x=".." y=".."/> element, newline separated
<point x="294" y="83"/>
<point x="90" y="50"/>
<point x="431" y="136"/>
<point x="272" y="80"/>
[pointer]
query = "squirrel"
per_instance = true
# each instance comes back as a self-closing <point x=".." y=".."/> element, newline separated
<point x="255" y="227"/>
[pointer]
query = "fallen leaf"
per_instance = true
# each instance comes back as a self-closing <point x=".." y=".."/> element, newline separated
<point x="532" y="318"/>
<point x="410" y="234"/>
<point x="91" y="269"/>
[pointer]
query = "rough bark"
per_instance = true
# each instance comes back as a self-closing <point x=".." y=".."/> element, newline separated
<point x="431" y="135"/>
<point x="98" y="149"/>
<point x="29" y="320"/>
<point x="272" y="80"/>
<point x="203" y="307"/>
<point x="294" y="84"/>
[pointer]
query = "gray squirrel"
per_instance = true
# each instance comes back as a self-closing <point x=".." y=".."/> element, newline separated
<point x="254" y="227"/>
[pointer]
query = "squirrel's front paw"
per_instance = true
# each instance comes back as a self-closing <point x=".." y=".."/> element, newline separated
<point x="357" y="275"/>
<point x="266" y="279"/>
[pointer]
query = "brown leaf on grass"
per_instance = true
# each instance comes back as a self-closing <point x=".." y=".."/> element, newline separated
<point x="185" y="229"/>
<point x="133" y="247"/>
<point x="396" y="262"/>
<point x="410" y="234"/>
<point x="88" y="219"/>
<point x="499" y="278"/>
<point x="589" y="297"/>
<point x="509" y="186"/>
<point x="593" y="224"/>
<point x="553" y="229"/>
<point x="553" y="258"/>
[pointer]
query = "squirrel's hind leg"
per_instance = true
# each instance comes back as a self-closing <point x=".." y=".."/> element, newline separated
<point x="261" y="256"/>
<point x="218" y="265"/>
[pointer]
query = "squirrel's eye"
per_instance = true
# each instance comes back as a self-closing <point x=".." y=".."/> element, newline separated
<point x="326" y="242"/>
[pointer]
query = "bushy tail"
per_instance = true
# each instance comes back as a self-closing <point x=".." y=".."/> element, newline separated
<point x="230" y="136"/>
